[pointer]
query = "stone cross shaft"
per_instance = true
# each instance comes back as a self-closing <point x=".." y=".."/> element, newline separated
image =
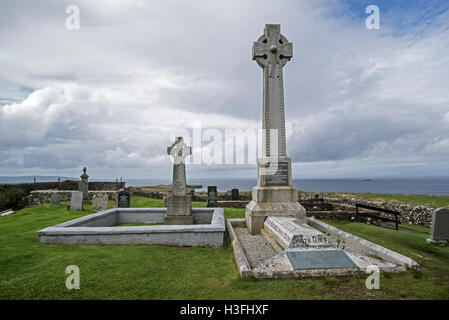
<point x="272" y="51"/>
<point x="179" y="151"/>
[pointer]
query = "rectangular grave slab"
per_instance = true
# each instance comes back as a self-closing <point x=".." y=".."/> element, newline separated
<point x="76" y="201"/>
<point x="55" y="199"/>
<point x="124" y="199"/>
<point x="440" y="225"/>
<point x="212" y="196"/>
<point x="320" y="259"/>
<point x="289" y="233"/>
<point x="100" y="202"/>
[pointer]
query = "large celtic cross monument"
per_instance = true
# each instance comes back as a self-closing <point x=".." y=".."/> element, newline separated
<point x="274" y="194"/>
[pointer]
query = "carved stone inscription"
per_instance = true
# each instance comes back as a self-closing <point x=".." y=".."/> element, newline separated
<point x="276" y="174"/>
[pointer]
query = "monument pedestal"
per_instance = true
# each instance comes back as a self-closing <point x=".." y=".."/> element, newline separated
<point x="185" y="220"/>
<point x="275" y="201"/>
<point x="179" y="209"/>
<point x="274" y="195"/>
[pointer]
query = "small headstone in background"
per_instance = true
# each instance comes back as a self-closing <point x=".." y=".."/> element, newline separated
<point x="235" y="194"/>
<point x="83" y="186"/>
<point x="440" y="226"/>
<point x="76" y="201"/>
<point x="211" y="196"/>
<point x="55" y="199"/>
<point x="100" y="202"/>
<point x="124" y="199"/>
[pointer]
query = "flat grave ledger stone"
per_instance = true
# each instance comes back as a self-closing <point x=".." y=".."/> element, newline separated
<point x="100" y="202"/>
<point x="440" y="225"/>
<point x="124" y="199"/>
<point x="76" y="201"/>
<point x="55" y="199"/>
<point x="212" y="196"/>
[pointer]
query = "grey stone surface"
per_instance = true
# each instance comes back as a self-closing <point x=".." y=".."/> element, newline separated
<point x="365" y="246"/>
<point x="6" y="212"/>
<point x="98" y="228"/>
<point x="55" y="199"/>
<point x="179" y="151"/>
<point x="320" y="259"/>
<point x="38" y="197"/>
<point x="83" y="186"/>
<point x="274" y="194"/>
<point x="272" y="201"/>
<point x="100" y="202"/>
<point x="242" y="263"/>
<point x="76" y="201"/>
<point x="271" y="51"/>
<point x="440" y="225"/>
<point x="291" y="234"/>
<point x="212" y="196"/>
<point x="178" y="202"/>
<point x="177" y="220"/>
<point x="256" y="248"/>
<point x="280" y="266"/>
<point x="123" y="199"/>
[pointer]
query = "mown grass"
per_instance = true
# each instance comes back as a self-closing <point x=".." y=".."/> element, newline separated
<point x="412" y="199"/>
<point x="29" y="270"/>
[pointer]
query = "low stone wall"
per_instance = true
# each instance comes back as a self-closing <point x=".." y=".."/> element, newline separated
<point x="149" y="194"/>
<point x="73" y="185"/>
<point x="197" y="196"/>
<point x="38" y="197"/>
<point x="419" y="215"/>
<point x="222" y="196"/>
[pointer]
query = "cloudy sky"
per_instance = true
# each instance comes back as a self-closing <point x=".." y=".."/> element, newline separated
<point x="359" y="102"/>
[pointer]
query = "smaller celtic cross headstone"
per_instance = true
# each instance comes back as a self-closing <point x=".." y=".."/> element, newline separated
<point x="179" y="151"/>
<point x="178" y="202"/>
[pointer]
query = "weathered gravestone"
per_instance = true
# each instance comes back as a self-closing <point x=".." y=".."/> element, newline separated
<point x="76" y="201"/>
<point x="178" y="202"/>
<point x="100" y="202"/>
<point x="212" y="196"/>
<point x="440" y="226"/>
<point x="55" y="199"/>
<point x="124" y="199"/>
<point x="83" y="186"/>
<point x="235" y="194"/>
<point x="274" y="195"/>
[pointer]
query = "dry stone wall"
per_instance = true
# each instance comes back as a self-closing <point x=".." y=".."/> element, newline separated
<point x="419" y="215"/>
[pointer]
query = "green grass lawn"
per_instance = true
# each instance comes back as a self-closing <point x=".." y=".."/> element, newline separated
<point x="29" y="270"/>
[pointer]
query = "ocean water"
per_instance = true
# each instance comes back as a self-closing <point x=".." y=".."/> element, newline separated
<point x="425" y="186"/>
<point x="434" y="186"/>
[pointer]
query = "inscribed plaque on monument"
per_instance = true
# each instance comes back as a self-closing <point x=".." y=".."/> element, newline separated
<point x="276" y="174"/>
<point x="320" y="259"/>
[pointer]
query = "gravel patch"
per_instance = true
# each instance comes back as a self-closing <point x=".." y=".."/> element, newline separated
<point x="256" y="248"/>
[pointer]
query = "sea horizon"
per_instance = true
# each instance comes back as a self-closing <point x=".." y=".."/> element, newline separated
<point x="438" y="186"/>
